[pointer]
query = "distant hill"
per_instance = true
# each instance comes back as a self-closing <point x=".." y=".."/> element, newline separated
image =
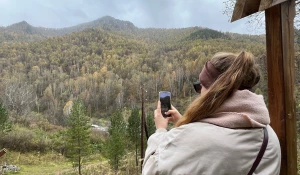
<point x="22" y="27"/>
<point x="107" y="23"/>
<point x="23" y="31"/>
<point x="207" y="34"/>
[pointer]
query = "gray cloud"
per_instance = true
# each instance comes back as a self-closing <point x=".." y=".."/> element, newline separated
<point x="143" y="13"/>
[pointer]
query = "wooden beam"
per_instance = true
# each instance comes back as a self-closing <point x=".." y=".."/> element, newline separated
<point x="238" y="10"/>
<point x="244" y="8"/>
<point x="287" y="23"/>
<point x="281" y="81"/>
<point x="265" y="4"/>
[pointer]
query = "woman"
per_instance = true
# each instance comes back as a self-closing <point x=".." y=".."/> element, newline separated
<point x="222" y="131"/>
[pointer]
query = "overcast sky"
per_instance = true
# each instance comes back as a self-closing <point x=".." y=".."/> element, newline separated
<point x="142" y="13"/>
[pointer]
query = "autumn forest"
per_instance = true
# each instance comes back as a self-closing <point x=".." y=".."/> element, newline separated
<point x="106" y="64"/>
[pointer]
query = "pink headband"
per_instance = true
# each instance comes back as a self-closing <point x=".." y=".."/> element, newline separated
<point x="208" y="75"/>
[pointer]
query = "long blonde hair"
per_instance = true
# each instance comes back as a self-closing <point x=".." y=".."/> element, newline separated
<point x="238" y="71"/>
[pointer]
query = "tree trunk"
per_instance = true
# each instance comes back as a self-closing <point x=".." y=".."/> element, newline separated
<point x="136" y="155"/>
<point x="79" y="163"/>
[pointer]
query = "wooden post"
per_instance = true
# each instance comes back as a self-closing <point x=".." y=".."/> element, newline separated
<point x="281" y="81"/>
<point x="142" y="129"/>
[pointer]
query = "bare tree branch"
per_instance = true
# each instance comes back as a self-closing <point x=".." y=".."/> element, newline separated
<point x="256" y="21"/>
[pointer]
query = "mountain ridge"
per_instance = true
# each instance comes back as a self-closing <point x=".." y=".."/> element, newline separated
<point x="106" y="22"/>
<point x="25" y="32"/>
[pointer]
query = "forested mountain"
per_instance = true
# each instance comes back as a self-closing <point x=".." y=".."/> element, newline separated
<point x="107" y="66"/>
<point x="25" y="32"/>
<point x="105" y="63"/>
<point x="107" y="23"/>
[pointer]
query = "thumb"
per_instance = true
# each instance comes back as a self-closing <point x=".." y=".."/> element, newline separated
<point x="158" y="105"/>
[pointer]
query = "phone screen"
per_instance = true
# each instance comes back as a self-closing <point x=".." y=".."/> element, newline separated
<point x="165" y="102"/>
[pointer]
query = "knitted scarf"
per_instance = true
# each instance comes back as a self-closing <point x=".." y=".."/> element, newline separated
<point x="243" y="109"/>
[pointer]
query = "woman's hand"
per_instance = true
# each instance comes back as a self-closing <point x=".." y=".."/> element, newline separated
<point x="160" y="121"/>
<point x="175" y="115"/>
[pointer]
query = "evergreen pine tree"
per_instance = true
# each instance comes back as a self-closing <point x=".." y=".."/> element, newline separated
<point x="150" y="124"/>
<point x="78" y="134"/>
<point x="5" y="125"/>
<point x="115" y="145"/>
<point x="134" y="131"/>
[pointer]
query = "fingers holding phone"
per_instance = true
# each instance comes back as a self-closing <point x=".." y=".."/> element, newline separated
<point x="175" y="115"/>
<point x="165" y="111"/>
<point x="160" y="121"/>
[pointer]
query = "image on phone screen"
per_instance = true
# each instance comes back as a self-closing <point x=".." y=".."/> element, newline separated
<point x="165" y="102"/>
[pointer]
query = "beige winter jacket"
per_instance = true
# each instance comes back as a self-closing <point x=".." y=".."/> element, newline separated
<point x="207" y="149"/>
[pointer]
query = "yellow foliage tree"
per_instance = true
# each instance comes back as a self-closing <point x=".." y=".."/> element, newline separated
<point x="68" y="108"/>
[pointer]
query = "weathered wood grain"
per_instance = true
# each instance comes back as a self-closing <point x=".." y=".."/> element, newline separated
<point x="281" y="81"/>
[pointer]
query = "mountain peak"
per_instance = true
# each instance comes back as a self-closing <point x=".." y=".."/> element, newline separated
<point x="22" y="23"/>
<point x="22" y="26"/>
<point x="107" y="23"/>
<point x="111" y="23"/>
<point x="107" y="18"/>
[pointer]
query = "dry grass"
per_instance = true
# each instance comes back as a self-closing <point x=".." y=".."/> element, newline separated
<point x="56" y="164"/>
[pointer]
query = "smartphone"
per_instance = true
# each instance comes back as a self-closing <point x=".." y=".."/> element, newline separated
<point x="165" y="102"/>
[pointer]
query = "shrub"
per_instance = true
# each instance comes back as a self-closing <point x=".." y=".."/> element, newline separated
<point x="18" y="140"/>
<point x="24" y="140"/>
